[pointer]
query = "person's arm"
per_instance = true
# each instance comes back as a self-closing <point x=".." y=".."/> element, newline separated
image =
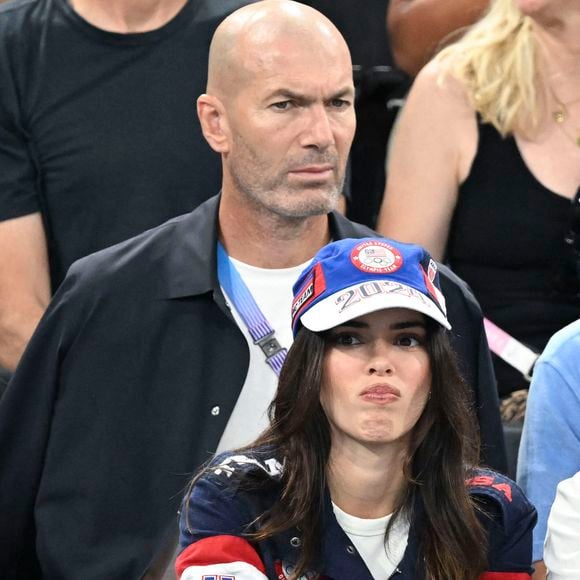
<point x="211" y="526"/>
<point x="433" y="148"/>
<point x="540" y="570"/>
<point x="417" y="27"/>
<point x="24" y="284"/>
<point x="26" y="412"/>
<point x="24" y="272"/>
<point x="549" y="448"/>
<point x="508" y="519"/>
<point x="220" y="557"/>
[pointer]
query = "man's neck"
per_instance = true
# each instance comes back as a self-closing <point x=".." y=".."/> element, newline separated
<point x="268" y="241"/>
<point x="128" y="16"/>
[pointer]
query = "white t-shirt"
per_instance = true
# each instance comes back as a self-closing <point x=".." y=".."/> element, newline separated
<point x="272" y="291"/>
<point x="562" y="547"/>
<point x="368" y="537"/>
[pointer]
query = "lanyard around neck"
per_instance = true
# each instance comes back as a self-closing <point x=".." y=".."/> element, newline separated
<point x="258" y="326"/>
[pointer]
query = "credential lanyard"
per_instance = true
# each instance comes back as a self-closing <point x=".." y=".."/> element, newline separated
<point x="258" y="326"/>
<point x="511" y="350"/>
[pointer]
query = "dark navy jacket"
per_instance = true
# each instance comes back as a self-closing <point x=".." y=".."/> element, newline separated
<point x="221" y="509"/>
<point x="126" y="388"/>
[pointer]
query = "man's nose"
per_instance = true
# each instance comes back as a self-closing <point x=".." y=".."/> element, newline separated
<point x="318" y="130"/>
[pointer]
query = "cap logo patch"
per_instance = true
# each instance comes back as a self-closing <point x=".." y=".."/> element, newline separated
<point x="429" y="279"/>
<point x="303" y="298"/>
<point x="432" y="270"/>
<point x="376" y="257"/>
<point x="314" y="286"/>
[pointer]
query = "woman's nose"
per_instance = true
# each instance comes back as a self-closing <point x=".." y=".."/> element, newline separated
<point x="380" y="362"/>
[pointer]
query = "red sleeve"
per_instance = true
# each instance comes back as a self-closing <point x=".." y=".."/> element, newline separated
<point x="220" y="556"/>
<point x="505" y="576"/>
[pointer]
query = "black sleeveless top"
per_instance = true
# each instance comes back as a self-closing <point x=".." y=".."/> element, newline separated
<point x="507" y="242"/>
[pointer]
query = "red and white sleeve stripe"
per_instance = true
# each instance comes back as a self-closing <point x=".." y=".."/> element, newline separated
<point x="505" y="576"/>
<point x="225" y="557"/>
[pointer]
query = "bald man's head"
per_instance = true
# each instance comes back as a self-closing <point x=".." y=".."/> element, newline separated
<point x="252" y="38"/>
<point x="279" y="108"/>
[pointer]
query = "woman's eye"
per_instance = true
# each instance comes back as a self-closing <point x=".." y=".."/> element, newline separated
<point x="345" y="339"/>
<point x="409" y="341"/>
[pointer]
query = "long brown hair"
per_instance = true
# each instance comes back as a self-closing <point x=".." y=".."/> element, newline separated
<point x="444" y="445"/>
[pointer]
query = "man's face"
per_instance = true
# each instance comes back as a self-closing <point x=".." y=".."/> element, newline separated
<point x="292" y="124"/>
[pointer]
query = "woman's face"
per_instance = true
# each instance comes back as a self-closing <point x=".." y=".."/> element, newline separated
<point x="545" y="10"/>
<point x="377" y="377"/>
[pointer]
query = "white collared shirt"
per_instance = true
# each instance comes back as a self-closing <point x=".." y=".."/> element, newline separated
<point x="562" y="546"/>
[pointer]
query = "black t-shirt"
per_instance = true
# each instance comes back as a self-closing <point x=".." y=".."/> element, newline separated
<point x="98" y="130"/>
<point x="507" y="243"/>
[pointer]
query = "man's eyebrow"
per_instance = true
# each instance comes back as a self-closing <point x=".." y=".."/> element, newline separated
<point x="285" y="94"/>
<point x="289" y="94"/>
<point x="342" y="93"/>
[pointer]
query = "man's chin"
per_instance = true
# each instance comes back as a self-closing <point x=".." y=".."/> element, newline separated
<point x="310" y="204"/>
<point x="306" y="212"/>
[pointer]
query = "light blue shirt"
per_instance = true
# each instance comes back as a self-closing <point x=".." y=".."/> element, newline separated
<point x="550" y="446"/>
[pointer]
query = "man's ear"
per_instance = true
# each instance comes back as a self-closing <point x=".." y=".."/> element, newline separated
<point x="214" y="125"/>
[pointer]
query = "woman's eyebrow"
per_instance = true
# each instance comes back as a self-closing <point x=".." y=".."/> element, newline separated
<point x="408" y="324"/>
<point x="353" y="324"/>
<point x="395" y="326"/>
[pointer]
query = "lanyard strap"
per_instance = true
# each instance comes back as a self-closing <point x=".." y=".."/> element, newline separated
<point x="258" y="326"/>
<point x="509" y="349"/>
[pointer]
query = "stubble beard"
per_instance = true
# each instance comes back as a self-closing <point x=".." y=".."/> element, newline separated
<point x="276" y="196"/>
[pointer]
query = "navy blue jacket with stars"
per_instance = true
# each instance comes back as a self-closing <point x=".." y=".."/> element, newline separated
<point x="219" y="511"/>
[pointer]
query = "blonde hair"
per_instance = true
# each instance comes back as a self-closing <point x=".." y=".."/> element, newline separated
<point x="497" y="63"/>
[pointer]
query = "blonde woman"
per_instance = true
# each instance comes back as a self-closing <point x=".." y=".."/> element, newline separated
<point x="486" y="161"/>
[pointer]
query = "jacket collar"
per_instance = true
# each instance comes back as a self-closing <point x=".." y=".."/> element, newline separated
<point x="191" y="261"/>
<point x="190" y="265"/>
<point x="341" y="561"/>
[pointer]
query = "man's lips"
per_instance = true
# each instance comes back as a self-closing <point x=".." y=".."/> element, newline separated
<point x="313" y="170"/>
<point x="381" y="393"/>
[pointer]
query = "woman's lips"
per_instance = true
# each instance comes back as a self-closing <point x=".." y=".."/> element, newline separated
<point x="381" y="394"/>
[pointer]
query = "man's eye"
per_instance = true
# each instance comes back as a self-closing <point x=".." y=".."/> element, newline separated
<point x="339" y="104"/>
<point x="281" y="105"/>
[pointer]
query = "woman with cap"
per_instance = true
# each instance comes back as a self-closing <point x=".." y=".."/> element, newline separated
<point x="368" y="468"/>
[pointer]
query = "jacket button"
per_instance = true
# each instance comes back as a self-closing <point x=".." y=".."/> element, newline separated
<point x="215" y="411"/>
<point x="350" y="550"/>
<point x="295" y="542"/>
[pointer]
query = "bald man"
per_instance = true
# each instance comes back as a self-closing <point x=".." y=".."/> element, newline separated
<point x="147" y="359"/>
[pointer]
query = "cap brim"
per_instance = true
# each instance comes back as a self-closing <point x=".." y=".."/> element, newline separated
<point x="326" y="314"/>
